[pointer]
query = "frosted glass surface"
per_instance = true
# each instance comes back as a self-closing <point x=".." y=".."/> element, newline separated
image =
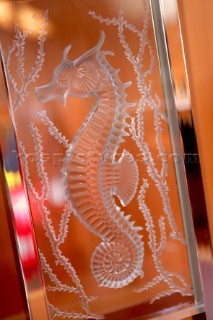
<point x="86" y="97"/>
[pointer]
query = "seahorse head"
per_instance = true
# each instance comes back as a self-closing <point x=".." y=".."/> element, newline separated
<point x="82" y="77"/>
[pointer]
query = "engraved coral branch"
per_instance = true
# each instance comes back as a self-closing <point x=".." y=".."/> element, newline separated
<point x="24" y="157"/>
<point x="34" y="74"/>
<point x="40" y="161"/>
<point x="63" y="225"/>
<point x="163" y="240"/>
<point x="54" y="240"/>
<point x="146" y="101"/>
<point x="53" y="130"/>
<point x="59" y="286"/>
<point x="19" y="89"/>
<point x="137" y="130"/>
<point x="156" y="250"/>
<point x="70" y="315"/>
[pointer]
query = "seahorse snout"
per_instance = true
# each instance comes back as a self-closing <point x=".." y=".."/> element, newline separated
<point x="50" y="92"/>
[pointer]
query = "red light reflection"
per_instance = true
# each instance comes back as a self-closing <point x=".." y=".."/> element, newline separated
<point x="24" y="230"/>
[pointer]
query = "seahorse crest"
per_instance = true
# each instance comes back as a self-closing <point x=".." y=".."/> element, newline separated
<point x="82" y="77"/>
<point x="86" y="74"/>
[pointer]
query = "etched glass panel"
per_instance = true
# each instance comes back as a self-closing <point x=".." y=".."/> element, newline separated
<point x="87" y="102"/>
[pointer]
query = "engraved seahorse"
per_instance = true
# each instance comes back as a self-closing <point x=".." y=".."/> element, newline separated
<point x="91" y="184"/>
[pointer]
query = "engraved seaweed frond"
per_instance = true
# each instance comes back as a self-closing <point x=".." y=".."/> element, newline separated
<point x="63" y="226"/>
<point x="55" y="239"/>
<point x="53" y="130"/>
<point x="149" y="101"/>
<point x="163" y="275"/>
<point x="38" y="148"/>
<point x="58" y="285"/>
<point x="55" y="312"/>
<point x="19" y="85"/>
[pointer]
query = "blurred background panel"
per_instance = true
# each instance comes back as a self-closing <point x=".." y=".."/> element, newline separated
<point x="197" y="32"/>
<point x="196" y="19"/>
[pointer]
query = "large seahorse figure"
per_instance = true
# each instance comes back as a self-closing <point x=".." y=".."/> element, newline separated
<point x="91" y="183"/>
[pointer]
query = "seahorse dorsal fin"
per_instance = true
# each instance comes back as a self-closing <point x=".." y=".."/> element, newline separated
<point x="127" y="178"/>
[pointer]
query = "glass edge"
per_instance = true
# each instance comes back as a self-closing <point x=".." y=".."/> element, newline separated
<point x="168" y="90"/>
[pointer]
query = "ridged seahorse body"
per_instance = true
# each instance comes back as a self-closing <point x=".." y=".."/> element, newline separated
<point x="92" y="175"/>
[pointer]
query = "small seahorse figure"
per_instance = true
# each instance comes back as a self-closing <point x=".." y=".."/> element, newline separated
<point x="91" y="185"/>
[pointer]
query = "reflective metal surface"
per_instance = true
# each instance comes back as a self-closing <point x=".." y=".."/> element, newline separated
<point x="20" y="214"/>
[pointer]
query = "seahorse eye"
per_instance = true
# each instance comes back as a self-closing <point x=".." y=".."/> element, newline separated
<point x="62" y="82"/>
<point x="65" y="67"/>
<point x="62" y="74"/>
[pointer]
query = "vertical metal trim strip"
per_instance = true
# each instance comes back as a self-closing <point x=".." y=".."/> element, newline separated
<point x="29" y="289"/>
